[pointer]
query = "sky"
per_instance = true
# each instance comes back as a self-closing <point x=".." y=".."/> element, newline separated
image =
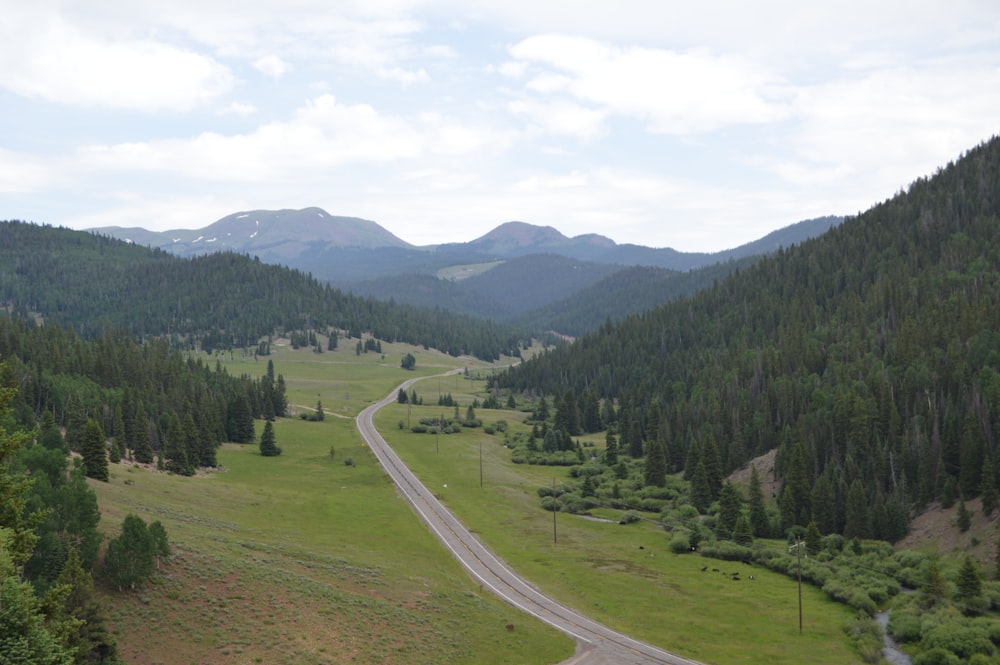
<point x="697" y="125"/>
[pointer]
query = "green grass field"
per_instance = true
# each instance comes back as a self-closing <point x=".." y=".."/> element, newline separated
<point x="624" y="576"/>
<point x="304" y="559"/>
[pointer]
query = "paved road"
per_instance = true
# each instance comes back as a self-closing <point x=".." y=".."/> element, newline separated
<point x="597" y="644"/>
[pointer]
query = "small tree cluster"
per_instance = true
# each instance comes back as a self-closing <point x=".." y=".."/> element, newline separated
<point x="130" y="556"/>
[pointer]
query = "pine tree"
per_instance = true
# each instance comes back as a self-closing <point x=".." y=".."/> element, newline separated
<point x="730" y="509"/>
<point x="119" y="445"/>
<point x="94" y="451"/>
<point x="701" y="492"/>
<point x="142" y="451"/>
<point x="742" y="531"/>
<point x="988" y="487"/>
<point x="268" y="447"/>
<point x="174" y="449"/>
<point x="814" y="541"/>
<point x="964" y="516"/>
<point x="610" y="448"/>
<point x="712" y="460"/>
<point x="857" y="524"/>
<point x="759" y="523"/>
<point x="656" y="463"/>
<point x="969" y="582"/>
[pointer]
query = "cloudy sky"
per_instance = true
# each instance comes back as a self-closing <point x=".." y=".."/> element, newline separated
<point x="694" y="125"/>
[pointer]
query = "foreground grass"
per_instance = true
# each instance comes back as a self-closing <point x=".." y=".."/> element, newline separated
<point x="624" y="576"/>
<point x="304" y="559"/>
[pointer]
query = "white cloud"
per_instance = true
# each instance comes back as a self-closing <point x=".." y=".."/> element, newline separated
<point x="561" y="117"/>
<point x="240" y="109"/>
<point x="44" y="56"/>
<point x="22" y="173"/>
<point x="323" y="134"/>
<point x="271" y="65"/>
<point x="673" y="93"/>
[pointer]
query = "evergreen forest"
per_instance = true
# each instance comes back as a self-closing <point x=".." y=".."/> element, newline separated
<point x="218" y="301"/>
<point x="868" y="358"/>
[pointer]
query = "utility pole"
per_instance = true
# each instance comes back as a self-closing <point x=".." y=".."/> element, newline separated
<point x="798" y="550"/>
<point x="555" y="509"/>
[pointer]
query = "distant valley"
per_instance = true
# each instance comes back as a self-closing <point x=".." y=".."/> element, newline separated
<point x="517" y="271"/>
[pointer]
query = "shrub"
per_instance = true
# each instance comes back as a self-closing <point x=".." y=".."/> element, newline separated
<point x="937" y="657"/>
<point x="962" y="639"/>
<point x="904" y="626"/>
<point x="348" y="461"/>
<point x="419" y="429"/>
<point x="630" y="517"/>
<point x="679" y="543"/>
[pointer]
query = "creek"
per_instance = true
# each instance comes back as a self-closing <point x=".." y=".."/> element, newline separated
<point x="890" y="650"/>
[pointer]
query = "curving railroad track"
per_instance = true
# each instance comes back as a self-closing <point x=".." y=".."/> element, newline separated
<point x="597" y="644"/>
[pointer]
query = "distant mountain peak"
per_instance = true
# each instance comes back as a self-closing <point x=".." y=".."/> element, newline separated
<point x="511" y="238"/>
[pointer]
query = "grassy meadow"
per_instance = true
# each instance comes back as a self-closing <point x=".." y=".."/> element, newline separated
<point x="624" y="576"/>
<point x="302" y="558"/>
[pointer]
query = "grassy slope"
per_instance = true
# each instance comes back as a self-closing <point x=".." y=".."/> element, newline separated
<point x="303" y="559"/>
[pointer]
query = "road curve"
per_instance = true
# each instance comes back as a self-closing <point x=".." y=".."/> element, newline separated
<point x="598" y="643"/>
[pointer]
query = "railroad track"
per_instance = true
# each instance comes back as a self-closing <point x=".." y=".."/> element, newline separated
<point x="601" y="643"/>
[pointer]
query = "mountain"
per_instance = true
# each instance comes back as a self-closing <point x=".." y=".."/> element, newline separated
<point x="530" y="266"/>
<point x="868" y="358"/>
<point x="274" y="236"/>
<point x="348" y="249"/>
<point x="218" y="300"/>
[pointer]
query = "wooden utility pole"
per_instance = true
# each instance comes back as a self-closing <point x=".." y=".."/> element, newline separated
<point x="555" y="509"/>
<point x="798" y="551"/>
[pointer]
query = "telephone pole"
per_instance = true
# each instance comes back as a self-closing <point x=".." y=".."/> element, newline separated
<point x="798" y="551"/>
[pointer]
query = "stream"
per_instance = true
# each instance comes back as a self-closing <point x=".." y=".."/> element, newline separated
<point x="890" y="650"/>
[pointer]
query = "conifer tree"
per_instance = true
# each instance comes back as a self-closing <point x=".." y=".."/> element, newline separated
<point x="857" y="523"/>
<point x="94" y="451"/>
<point x="119" y="445"/>
<point x="730" y="505"/>
<point x="268" y="447"/>
<point x="610" y="447"/>
<point x="656" y="463"/>
<point x="174" y="450"/>
<point x="964" y="516"/>
<point x="759" y="524"/>
<point x="988" y="487"/>
<point x="701" y="492"/>
<point x="742" y="531"/>
<point x="814" y="541"/>
<point x="712" y="460"/>
<point x="142" y="451"/>
<point x="969" y="582"/>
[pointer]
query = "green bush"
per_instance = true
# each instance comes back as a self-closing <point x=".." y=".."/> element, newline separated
<point x="962" y="639"/>
<point x="937" y="657"/>
<point x="680" y="543"/>
<point x="904" y="626"/>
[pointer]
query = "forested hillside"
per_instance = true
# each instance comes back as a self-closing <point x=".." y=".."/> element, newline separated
<point x="217" y="301"/>
<point x="868" y="357"/>
<point x="626" y="292"/>
<point x="115" y="400"/>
